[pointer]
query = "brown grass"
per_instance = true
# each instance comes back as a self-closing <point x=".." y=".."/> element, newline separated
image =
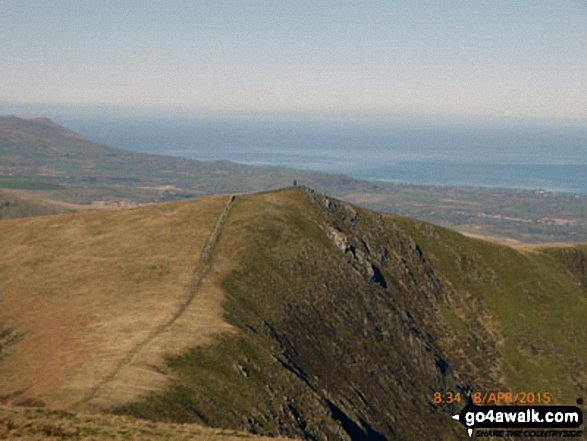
<point x="501" y="240"/>
<point x="536" y="247"/>
<point x="43" y="201"/>
<point x="20" y="203"/>
<point x="29" y="424"/>
<point x="89" y="288"/>
<point x="519" y="245"/>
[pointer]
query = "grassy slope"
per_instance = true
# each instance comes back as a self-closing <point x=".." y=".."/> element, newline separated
<point x="28" y="424"/>
<point x="85" y="289"/>
<point x="318" y="341"/>
<point x="16" y="204"/>
<point x="535" y="307"/>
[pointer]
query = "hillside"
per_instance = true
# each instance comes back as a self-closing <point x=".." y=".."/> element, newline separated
<point x="52" y="163"/>
<point x="80" y="292"/>
<point x="310" y="317"/>
<point x="16" y="204"/>
<point x="34" y="424"/>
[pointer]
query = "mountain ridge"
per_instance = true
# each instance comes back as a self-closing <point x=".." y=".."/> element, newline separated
<point x="332" y="322"/>
<point x="363" y="326"/>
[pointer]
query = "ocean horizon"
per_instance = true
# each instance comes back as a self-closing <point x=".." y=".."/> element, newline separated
<point x="550" y="157"/>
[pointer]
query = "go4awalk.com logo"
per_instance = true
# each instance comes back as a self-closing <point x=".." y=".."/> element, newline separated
<point x="521" y="421"/>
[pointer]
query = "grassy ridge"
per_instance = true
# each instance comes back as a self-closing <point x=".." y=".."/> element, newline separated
<point x="325" y="350"/>
<point x="344" y="323"/>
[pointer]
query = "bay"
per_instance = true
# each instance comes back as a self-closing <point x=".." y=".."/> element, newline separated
<point x="550" y="156"/>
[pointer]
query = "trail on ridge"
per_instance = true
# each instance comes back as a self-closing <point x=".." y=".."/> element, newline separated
<point x="101" y="394"/>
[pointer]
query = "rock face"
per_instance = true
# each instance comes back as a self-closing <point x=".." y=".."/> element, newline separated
<point x="344" y="333"/>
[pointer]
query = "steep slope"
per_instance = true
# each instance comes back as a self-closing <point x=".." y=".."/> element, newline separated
<point x="349" y="322"/>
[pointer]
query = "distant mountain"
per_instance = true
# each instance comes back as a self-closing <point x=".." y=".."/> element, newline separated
<point x="305" y="317"/>
<point x="14" y="129"/>
<point x="51" y="162"/>
<point x="42" y="154"/>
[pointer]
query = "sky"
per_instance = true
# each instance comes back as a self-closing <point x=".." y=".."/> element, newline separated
<point x="487" y="58"/>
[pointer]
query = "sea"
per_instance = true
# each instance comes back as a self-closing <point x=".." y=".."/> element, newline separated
<point x="543" y="155"/>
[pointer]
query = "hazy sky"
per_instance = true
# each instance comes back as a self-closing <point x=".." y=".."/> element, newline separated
<point x="412" y="57"/>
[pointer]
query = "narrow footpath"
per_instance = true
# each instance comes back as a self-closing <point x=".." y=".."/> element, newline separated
<point x="199" y="275"/>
